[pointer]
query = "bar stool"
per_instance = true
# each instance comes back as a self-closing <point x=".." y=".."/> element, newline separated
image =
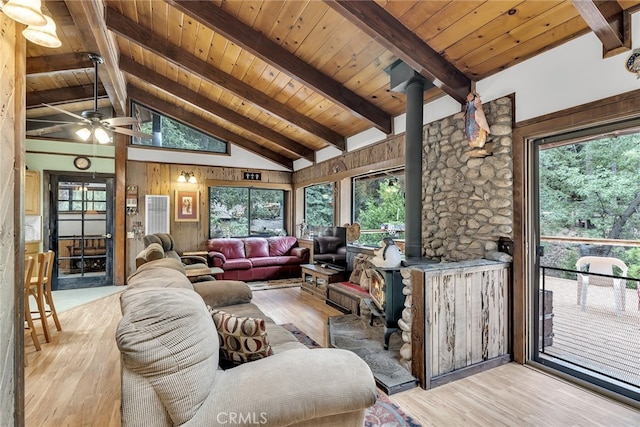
<point x="40" y="288"/>
<point x="29" y="262"/>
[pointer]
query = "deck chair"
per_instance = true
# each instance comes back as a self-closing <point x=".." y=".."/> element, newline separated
<point x="601" y="265"/>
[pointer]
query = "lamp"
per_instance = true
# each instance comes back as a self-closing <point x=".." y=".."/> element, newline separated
<point x="83" y="133"/>
<point x="27" y="12"/>
<point x="101" y="135"/>
<point x="43" y="35"/>
<point x="189" y="177"/>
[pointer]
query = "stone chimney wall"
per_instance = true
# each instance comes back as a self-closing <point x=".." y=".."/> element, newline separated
<point x="467" y="202"/>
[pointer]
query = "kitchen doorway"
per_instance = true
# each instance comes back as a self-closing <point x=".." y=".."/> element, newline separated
<point x="80" y="221"/>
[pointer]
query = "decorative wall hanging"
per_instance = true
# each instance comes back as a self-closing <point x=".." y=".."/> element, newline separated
<point x="476" y="126"/>
<point x="187" y="203"/>
<point x="633" y="63"/>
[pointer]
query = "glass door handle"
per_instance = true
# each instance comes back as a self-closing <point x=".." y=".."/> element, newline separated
<point x="107" y="236"/>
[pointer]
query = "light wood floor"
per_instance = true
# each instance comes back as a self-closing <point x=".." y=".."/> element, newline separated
<point x="74" y="381"/>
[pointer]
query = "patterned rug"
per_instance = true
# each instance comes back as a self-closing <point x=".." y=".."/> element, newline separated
<point x="262" y="285"/>
<point x="384" y="413"/>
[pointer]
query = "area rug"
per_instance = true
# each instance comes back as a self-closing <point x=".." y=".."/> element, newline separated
<point x="354" y="333"/>
<point x="262" y="285"/>
<point x="384" y="413"/>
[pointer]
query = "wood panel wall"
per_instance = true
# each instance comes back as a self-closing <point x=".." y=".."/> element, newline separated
<point x="161" y="179"/>
<point x="12" y="89"/>
<point x="386" y="154"/>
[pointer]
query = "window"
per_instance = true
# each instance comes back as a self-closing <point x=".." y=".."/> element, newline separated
<point x="79" y="197"/>
<point x="378" y="205"/>
<point x="172" y="134"/>
<point x="318" y="205"/>
<point x="242" y="211"/>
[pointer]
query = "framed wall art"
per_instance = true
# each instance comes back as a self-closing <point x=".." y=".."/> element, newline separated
<point x="187" y="204"/>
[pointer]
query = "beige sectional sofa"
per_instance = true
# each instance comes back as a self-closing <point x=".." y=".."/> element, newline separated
<point x="170" y="362"/>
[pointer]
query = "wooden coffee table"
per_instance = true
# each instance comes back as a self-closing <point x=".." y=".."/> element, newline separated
<point x="316" y="278"/>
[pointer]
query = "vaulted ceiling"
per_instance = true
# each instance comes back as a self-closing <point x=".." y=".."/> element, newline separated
<point x="285" y="79"/>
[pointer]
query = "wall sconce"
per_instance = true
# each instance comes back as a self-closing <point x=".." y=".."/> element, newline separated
<point x="187" y="177"/>
<point x="41" y="29"/>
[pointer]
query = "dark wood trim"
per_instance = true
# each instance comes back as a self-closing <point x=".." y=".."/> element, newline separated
<point x="418" y="328"/>
<point x="135" y="33"/>
<point x="390" y="33"/>
<point x="89" y="19"/>
<point x="255" y="42"/>
<point x="609" y="22"/>
<point x="612" y="109"/>
<point x="205" y="126"/>
<point x="56" y="63"/>
<point x="202" y="102"/>
<point x="119" y="217"/>
<point x="64" y="95"/>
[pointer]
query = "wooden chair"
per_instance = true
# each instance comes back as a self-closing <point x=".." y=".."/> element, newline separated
<point x="28" y="270"/>
<point x="40" y="288"/>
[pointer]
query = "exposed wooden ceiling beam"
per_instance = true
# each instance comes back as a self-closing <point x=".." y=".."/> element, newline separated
<point x="176" y="89"/>
<point x="609" y="22"/>
<point x="63" y="95"/>
<point x="390" y="33"/>
<point x="144" y="37"/>
<point x="57" y="63"/>
<point x="255" y="42"/>
<point x="205" y="126"/>
<point x="89" y="18"/>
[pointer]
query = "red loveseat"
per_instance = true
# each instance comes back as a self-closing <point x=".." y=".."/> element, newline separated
<point x="257" y="258"/>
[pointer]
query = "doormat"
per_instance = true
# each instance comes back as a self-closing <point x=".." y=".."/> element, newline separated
<point x="383" y="413"/>
<point x="262" y="285"/>
<point x="353" y="333"/>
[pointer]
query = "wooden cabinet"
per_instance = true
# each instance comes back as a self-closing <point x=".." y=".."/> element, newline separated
<point x="32" y="193"/>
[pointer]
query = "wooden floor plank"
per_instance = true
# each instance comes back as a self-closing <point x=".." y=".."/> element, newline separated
<point x="75" y="379"/>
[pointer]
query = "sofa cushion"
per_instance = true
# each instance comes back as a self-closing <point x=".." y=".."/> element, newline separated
<point x="230" y="248"/>
<point x="167" y="337"/>
<point x="255" y="247"/>
<point x="265" y="261"/>
<point x="279" y="246"/>
<point x="161" y="273"/>
<point x="242" y="339"/>
<point x="237" y="264"/>
<point x="328" y="244"/>
<point x="151" y="253"/>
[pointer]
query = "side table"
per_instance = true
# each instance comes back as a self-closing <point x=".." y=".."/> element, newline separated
<point x="316" y="278"/>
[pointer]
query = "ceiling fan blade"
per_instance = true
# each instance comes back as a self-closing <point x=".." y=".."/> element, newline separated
<point x="82" y="119"/>
<point x="120" y="121"/>
<point x="52" y="121"/>
<point x="130" y="132"/>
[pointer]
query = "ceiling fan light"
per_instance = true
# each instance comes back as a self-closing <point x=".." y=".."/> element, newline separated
<point x="27" y="12"/>
<point x="102" y="136"/>
<point x="83" y="133"/>
<point x="44" y="35"/>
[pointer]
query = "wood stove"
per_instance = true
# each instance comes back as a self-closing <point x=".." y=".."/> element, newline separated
<point x="387" y="299"/>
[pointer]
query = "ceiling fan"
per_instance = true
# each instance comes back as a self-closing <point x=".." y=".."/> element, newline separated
<point x="92" y="122"/>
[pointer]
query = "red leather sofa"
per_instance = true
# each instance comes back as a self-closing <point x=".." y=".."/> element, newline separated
<point x="257" y="258"/>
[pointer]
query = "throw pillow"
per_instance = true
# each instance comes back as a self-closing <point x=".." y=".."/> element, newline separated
<point x="242" y="339"/>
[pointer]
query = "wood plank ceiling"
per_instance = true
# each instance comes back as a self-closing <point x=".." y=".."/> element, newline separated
<point x="288" y="78"/>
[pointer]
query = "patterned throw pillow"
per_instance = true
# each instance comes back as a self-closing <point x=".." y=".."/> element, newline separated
<point x="242" y="339"/>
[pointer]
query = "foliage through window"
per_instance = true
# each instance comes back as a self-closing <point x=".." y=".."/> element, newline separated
<point x="318" y="205"/>
<point x="78" y="197"/>
<point x="590" y="189"/>
<point x="172" y="134"/>
<point x="378" y="206"/>
<point x="242" y="211"/>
